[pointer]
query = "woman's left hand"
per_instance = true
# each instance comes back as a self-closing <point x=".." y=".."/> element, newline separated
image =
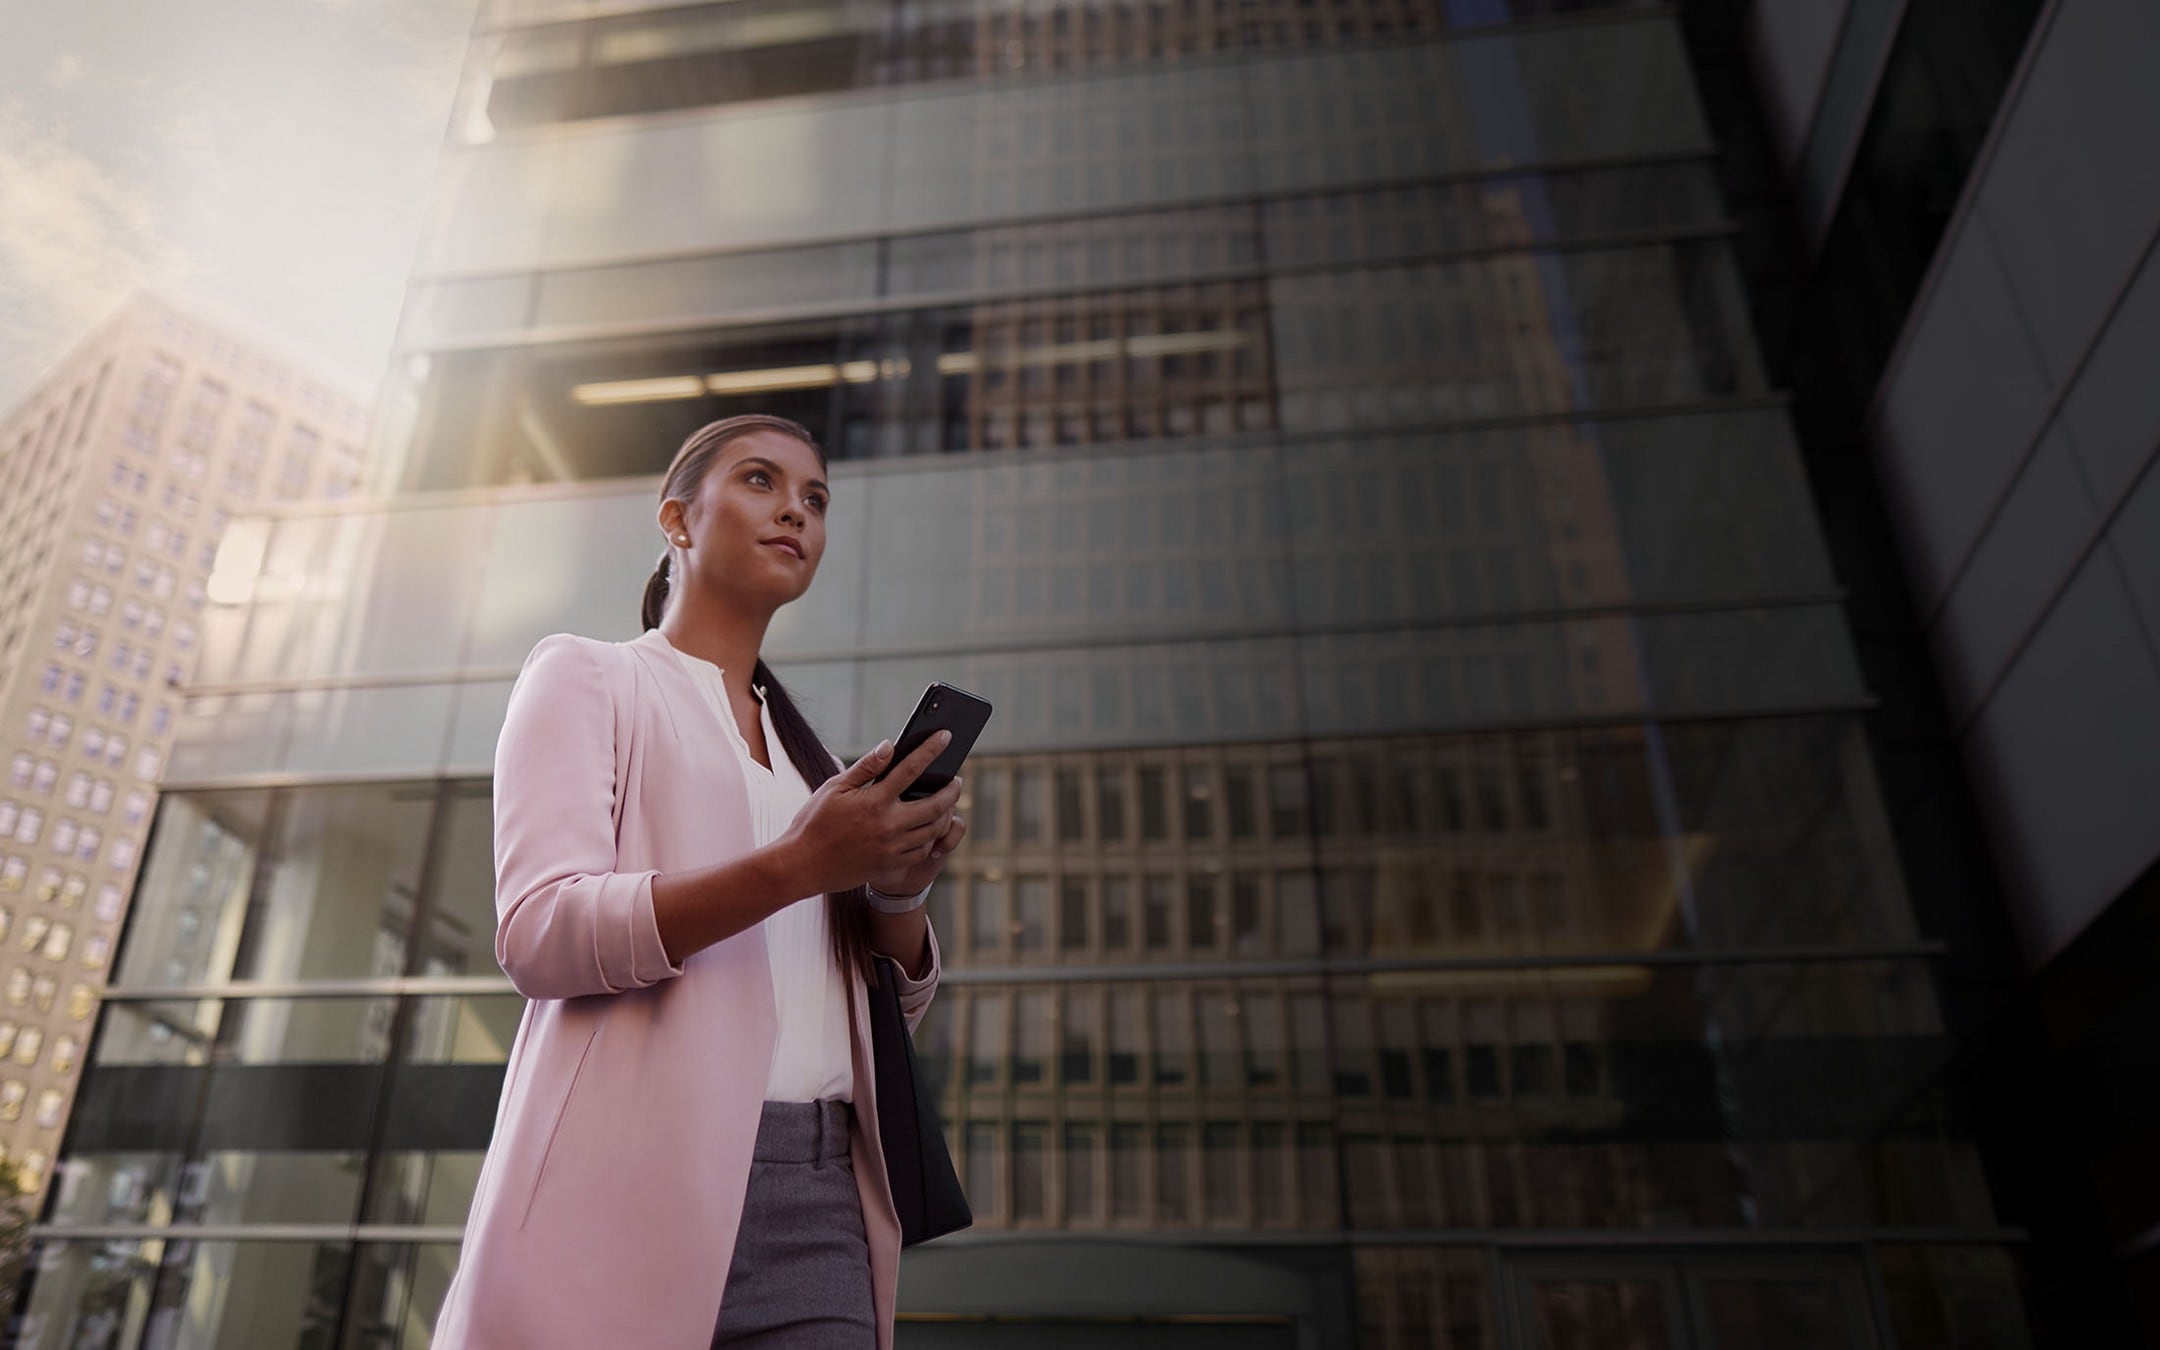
<point x="940" y="839"/>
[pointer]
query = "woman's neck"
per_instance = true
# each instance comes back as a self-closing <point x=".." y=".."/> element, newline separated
<point x="729" y="639"/>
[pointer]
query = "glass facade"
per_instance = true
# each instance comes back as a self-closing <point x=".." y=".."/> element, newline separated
<point x="1426" y="885"/>
<point x="119" y="470"/>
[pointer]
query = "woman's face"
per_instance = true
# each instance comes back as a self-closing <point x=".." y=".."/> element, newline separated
<point x="763" y="491"/>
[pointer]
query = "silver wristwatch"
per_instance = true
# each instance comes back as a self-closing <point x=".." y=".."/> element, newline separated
<point x="895" y="904"/>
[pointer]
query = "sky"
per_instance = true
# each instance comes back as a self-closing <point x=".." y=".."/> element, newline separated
<point x="272" y="156"/>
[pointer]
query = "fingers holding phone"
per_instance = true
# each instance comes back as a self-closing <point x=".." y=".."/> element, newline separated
<point x="856" y="826"/>
<point x="893" y="813"/>
<point x="949" y="838"/>
<point x="894" y="781"/>
<point x="927" y="843"/>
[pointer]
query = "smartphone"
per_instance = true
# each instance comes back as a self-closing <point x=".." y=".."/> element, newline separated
<point x="941" y="708"/>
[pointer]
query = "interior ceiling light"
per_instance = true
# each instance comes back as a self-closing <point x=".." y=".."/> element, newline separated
<point x="1101" y="349"/>
<point x="639" y="391"/>
<point x="730" y="382"/>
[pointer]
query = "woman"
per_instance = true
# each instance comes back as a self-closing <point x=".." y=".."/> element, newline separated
<point x="686" y="1150"/>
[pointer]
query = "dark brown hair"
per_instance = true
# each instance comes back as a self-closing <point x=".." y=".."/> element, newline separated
<point x="846" y="912"/>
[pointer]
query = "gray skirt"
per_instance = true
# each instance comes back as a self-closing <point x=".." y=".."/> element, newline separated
<point x="800" y="1275"/>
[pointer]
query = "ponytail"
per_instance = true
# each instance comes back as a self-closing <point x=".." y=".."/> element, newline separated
<point x="656" y="593"/>
<point x="847" y="913"/>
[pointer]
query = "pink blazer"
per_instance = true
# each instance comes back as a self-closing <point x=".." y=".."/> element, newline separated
<point x="607" y="1206"/>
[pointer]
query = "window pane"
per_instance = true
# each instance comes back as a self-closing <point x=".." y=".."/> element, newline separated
<point x="986" y="915"/>
<point x="987" y="787"/>
<point x="1071" y="826"/>
<point x="1117" y="910"/>
<point x="1286" y="801"/>
<point x="1030" y="1186"/>
<point x="1225" y="1193"/>
<point x="1080" y="1031"/>
<point x="1072" y="914"/>
<point x="1173" y="1174"/>
<point x="1271" y="1160"/>
<point x="1033" y="1037"/>
<point x="217" y="1290"/>
<point x="1239" y="787"/>
<point x="1031" y="924"/>
<point x="1201" y="893"/>
<point x="337" y="901"/>
<point x="1346" y="908"/>
<point x="1221" y="1055"/>
<point x="1156" y="902"/>
<point x="1262" y="1020"/>
<point x="1317" y="1190"/>
<point x="987" y="1039"/>
<point x="1298" y="905"/>
<point x="1110" y="804"/>
<point x="1083" y="1200"/>
<point x="1309" y="1043"/>
<point x="1129" y="1157"/>
<point x="1173" y="1037"/>
<point x="1128" y="1034"/>
<point x="1154" y="808"/>
<point x="1248" y="935"/>
<point x="1198" y="794"/>
<point x="1029" y="805"/>
<point x="460" y="937"/>
<point x="981" y="1164"/>
<point x="398" y="1290"/>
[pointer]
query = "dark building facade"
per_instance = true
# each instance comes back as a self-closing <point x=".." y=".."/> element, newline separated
<point x="1950" y="231"/>
<point x="1434" y="877"/>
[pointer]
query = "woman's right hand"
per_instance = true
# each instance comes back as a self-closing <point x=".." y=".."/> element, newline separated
<point x="854" y="827"/>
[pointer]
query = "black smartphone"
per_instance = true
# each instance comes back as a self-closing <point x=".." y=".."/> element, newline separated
<point x="941" y="708"/>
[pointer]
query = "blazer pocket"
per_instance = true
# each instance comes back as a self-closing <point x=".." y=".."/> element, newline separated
<point x="555" y="1126"/>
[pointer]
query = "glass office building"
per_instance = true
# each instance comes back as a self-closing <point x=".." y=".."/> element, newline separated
<point x="1427" y="886"/>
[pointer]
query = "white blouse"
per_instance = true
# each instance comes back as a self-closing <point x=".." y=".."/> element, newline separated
<point x="813" y="1057"/>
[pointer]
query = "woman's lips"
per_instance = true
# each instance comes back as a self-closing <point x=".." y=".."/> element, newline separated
<point x="785" y="546"/>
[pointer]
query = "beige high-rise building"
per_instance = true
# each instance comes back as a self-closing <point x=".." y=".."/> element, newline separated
<point x="118" y="472"/>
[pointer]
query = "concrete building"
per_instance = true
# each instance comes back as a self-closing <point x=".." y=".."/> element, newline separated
<point x="1447" y="868"/>
<point x="118" y="472"/>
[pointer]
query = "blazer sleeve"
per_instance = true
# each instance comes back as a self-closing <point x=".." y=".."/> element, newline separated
<point x="567" y="923"/>
<point x="915" y="995"/>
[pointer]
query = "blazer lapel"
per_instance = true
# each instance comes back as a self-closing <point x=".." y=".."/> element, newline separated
<point x="677" y="695"/>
